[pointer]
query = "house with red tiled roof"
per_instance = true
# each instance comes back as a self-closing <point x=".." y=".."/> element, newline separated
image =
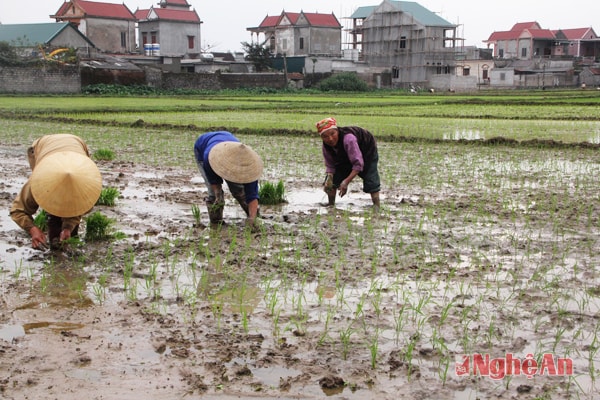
<point x="524" y="41"/>
<point x="172" y="28"/>
<point x="578" y="42"/>
<point x="300" y="34"/>
<point x="527" y="40"/>
<point x="111" y="27"/>
<point x="528" y="55"/>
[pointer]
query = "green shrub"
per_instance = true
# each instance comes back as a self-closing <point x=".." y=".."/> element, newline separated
<point x="108" y="196"/>
<point x="343" y="82"/>
<point x="270" y="193"/>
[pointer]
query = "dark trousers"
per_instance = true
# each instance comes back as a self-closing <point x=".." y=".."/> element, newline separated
<point x="55" y="227"/>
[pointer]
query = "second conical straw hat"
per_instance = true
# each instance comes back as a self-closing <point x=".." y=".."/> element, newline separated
<point x="235" y="162"/>
<point x="66" y="184"/>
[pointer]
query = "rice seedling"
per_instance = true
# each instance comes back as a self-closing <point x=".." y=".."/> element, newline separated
<point x="99" y="227"/>
<point x="41" y="220"/>
<point x="197" y="214"/>
<point x="17" y="270"/>
<point x="345" y="335"/>
<point x="271" y="193"/>
<point x="108" y="196"/>
<point x="373" y="345"/>
<point x="104" y="155"/>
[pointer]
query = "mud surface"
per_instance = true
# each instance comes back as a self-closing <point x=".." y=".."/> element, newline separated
<point x="320" y="302"/>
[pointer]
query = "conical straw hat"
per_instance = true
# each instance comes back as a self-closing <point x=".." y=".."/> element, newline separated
<point x="66" y="184"/>
<point x="235" y="162"/>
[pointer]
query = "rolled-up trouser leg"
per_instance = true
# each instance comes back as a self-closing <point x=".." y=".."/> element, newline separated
<point x="215" y="211"/>
<point x="237" y="191"/>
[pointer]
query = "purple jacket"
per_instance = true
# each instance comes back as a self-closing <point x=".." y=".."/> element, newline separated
<point x="356" y="146"/>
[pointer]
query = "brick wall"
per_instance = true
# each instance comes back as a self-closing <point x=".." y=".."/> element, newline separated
<point x="70" y="80"/>
<point x="189" y="81"/>
<point x="40" y="80"/>
<point x="221" y="81"/>
<point x="263" y="80"/>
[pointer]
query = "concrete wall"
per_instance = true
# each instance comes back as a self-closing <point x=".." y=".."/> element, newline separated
<point x="190" y="81"/>
<point x="318" y="41"/>
<point x="267" y="80"/>
<point x="453" y="83"/>
<point x="66" y="80"/>
<point x="171" y="36"/>
<point x="220" y="81"/>
<point x="106" y="34"/>
<point x="56" y="80"/>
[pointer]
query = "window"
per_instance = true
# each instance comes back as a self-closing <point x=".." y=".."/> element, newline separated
<point x="402" y="42"/>
<point x="395" y="72"/>
<point x="524" y="52"/>
<point x="301" y="44"/>
<point x="191" y="42"/>
<point x="503" y="76"/>
<point x="123" y="39"/>
<point x="466" y="71"/>
<point x="501" y="53"/>
<point x="284" y="44"/>
<point x="153" y="35"/>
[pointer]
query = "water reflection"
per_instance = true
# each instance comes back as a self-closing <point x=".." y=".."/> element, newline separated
<point x="10" y="332"/>
<point x="464" y="134"/>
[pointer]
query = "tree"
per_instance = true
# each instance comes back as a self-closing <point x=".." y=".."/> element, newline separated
<point x="258" y="55"/>
<point x="8" y="54"/>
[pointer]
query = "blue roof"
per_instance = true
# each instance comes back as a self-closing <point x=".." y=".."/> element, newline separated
<point x="419" y="13"/>
<point x="363" y="12"/>
<point x="28" y="35"/>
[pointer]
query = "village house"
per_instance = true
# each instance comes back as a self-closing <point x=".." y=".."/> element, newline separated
<point x="528" y="41"/>
<point x="397" y="44"/>
<point x="111" y="27"/>
<point x="528" y="55"/>
<point x="300" y="34"/>
<point x="407" y="39"/>
<point x="41" y="40"/>
<point x="172" y="29"/>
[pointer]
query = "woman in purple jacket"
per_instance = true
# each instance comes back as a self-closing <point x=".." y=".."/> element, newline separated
<point x="349" y="151"/>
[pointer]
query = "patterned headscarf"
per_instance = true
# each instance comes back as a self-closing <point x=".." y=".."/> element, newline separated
<point x="325" y="124"/>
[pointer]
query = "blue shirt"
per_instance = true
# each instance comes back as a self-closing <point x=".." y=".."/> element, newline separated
<point x="202" y="148"/>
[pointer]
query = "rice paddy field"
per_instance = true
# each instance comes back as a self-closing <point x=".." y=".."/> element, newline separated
<point x="478" y="279"/>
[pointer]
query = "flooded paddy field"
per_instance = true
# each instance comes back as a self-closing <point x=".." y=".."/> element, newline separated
<point x="482" y="264"/>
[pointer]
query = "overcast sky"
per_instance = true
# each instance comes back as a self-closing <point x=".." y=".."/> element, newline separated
<point x="225" y="22"/>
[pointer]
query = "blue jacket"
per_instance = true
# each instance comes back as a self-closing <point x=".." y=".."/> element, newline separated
<point x="202" y="147"/>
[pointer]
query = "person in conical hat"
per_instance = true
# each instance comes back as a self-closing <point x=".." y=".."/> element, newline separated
<point x="64" y="182"/>
<point x="222" y="157"/>
<point x="349" y="151"/>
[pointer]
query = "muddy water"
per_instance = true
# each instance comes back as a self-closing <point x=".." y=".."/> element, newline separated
<point x="321" y="302"/>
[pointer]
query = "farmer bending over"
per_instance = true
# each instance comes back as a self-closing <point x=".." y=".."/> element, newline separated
<point x="349" y="151"/>
<point x="221" y="157"/>
<point x="64" y="182"/>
